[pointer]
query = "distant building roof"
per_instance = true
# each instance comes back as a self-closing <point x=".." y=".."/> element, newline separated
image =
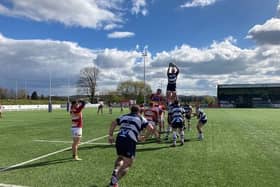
<point x="270" y="85"/>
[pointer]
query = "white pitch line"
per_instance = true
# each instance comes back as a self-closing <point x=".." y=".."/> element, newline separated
<point x="58" y="141"/>
<point x="50" y="154"/>
<point x="10" y="185"/>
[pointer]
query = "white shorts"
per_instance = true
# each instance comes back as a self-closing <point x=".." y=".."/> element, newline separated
<point x="77" y="132"/>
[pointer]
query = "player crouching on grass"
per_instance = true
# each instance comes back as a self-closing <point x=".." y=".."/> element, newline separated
<point x="130" y="127"/>
<point x="202" y="120"/>
<point x="77" y="125"/>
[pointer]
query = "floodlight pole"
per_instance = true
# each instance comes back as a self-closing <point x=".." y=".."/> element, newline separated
<point x="16" y="90"/>
<point x="144" y="54"/>
<point x="50" y="92"/>
<point x="68" y="97"/>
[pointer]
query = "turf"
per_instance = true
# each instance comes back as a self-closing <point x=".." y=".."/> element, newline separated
<point x="241" y="148"/>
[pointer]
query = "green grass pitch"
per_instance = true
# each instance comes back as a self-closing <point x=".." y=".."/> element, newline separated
<point x="241" y="148"/>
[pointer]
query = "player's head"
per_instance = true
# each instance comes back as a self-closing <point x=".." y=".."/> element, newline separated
<point x="176" y="102"/>
<point x="158" y="91"/>
<point x="135" y="109"/>
<point x="74" y="103"/>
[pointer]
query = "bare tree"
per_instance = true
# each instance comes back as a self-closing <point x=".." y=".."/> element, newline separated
<point x="87" y="82"/>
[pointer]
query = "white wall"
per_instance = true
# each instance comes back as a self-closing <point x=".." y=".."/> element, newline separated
<point x="39" y="107"/>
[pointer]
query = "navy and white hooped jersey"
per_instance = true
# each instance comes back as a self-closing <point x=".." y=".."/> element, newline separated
<point x="188" y="109"/>
<point x="131" y="125"/>
<point x="177" y="114"/>
<point x="201" y="115"/>
<point x="172" y="77"/>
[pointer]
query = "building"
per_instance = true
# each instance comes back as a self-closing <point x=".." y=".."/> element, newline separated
<point x="248" y="95"/>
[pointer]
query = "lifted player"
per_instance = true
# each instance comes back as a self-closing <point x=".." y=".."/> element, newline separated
<point x="172" y="74"/>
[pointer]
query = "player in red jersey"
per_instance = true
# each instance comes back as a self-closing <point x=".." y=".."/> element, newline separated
<point x="161" y="109"/>
<point x="77" y="125"/>
<point x="157" y="97"/>
<point x="153" y="117"/>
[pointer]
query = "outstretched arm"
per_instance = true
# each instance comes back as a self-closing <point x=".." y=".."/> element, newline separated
<point x="111" y="131"/>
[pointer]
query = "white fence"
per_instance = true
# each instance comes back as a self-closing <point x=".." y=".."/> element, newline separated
<point x="38" y="107"/>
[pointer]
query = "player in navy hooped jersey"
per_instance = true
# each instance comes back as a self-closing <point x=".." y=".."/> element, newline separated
<point x="177" y="122"/>
<point x="202" y="120"/>
<point x="130" y="127"/>
<point x="188" y="115"/>
<point x="172" y="74"/>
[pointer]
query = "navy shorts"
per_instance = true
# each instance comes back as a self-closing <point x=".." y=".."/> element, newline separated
<point x="203" y="122"/>
<point x="177" y="125"/>
<point x="171" y="87"/>
<point x="125" y="147"/>
<point x="188" y="117"/>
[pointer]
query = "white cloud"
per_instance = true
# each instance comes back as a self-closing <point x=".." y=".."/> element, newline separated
<point x="112" y="26"/>
<point x="101" y="14"/>
<point x="83" y="13"/>
<point x="121" y="35"/>
<point x="198" y="3"/>
<point x="268" y="33"/>
<point x="201" y="68"/>
<point x="34" y="60"/>
<point x="139" y="7"/>
<point x="278" y="8"/>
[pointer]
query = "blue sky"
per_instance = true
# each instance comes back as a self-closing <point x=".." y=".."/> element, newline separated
<point x="212" y="41"/>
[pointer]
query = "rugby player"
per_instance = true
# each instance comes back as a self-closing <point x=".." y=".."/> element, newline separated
<point x="130" y="127"/>
<point x="100" y="108"/>
<point x="153" y="117"/>
<point x="157" y="97"/>
<point x="77" y="125"/>
<point x="202" y="120"/>
<point x="177" y="122"/>
<point x="188" y="114"/>
<point x="1" y="109"/>
<point x="169" y="119"/>
<point x="172" y="74"/>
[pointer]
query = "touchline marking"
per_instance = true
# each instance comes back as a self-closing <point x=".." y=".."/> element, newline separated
<point x="50" y="154"/>
<point x="90" y="143"/>
<point x="10" y="185"/>
<point x="59" y="141"/>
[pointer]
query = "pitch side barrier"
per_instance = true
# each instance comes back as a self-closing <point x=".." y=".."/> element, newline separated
<point x="39" y="107"/>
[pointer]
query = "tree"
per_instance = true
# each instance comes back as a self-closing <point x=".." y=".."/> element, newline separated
<point x="87" y="82"/>
<point x="22" y="94"/>
<point x="134" y="90"/>
<point x="209" y="100"/>
<point x="34" y="95"/>
<point x="3" y="93"/>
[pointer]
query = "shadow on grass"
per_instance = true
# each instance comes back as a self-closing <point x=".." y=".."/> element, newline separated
<point x="96" y="146"/>
<point x="45" y="163"/>
<point x="151" y="148"/>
